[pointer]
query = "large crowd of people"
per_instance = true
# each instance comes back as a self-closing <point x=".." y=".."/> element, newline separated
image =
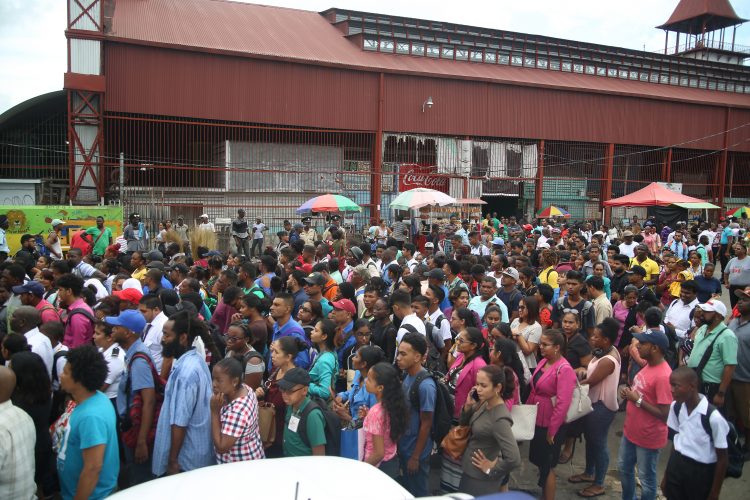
<point x="127" y="359"/>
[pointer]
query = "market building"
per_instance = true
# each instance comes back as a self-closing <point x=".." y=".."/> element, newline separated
<point x="192" y="106"/>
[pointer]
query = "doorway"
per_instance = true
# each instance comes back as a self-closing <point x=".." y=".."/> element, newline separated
<point x="505" y="206"/>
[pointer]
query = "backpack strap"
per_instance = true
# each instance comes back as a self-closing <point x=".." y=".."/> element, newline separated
<point x="154" y="373"/>
<point x="708" y="352"/>
<point x="705" y="419"/>
<point x="55" y="358"/>
<point x="414" y="389"/>
<point x="302" y="426"/>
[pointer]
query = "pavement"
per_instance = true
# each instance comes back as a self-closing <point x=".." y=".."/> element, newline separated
<point x="526" y="478"/>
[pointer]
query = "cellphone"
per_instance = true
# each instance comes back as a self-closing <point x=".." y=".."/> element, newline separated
<point x="474" y="395"/>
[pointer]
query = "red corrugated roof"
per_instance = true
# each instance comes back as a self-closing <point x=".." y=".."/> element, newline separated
<point x="251" y="30"/>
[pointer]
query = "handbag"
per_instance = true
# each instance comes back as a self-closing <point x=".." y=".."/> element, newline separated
<point x="353" y="443"/>
<point x="524" y="421"/>
<point x="267" y="423"/>
<point x="580" y="403"/>
<point x="455" y="442"/>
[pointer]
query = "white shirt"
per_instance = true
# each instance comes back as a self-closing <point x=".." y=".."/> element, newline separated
<point x="445" y="324"/>
<point x="41" y="345"/>
<point x="60" y="365"/>
<point x="258" y="231"/>
<point x="678" y="313"/>
<point x="691" y="439"/>
<point x="17" y="440"/>
<point x="480" y="250"/>
<point x="115" y="358"/>
<point x="628" y="250"/>
<point x="208" y="226"/>
<point x="412" y="264"/>
<point x="477" y="305"/>
<point x="413" y="320"/>
<point x="101" y="290"/>
<point x="152" y="338"/>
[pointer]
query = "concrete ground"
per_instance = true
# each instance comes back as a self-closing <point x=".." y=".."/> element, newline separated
<point x="526" y="478"/>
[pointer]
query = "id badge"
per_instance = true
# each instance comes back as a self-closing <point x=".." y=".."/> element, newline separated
<point x="293" y="423"/>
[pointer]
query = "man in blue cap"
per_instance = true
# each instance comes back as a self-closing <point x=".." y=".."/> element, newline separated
<point x="645" y="429"/>
<point x="137" y="380"/>
<point x="32" y="294"/>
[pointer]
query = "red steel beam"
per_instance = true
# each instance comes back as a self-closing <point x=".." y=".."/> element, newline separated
<point x="607" y="186"/>
<point x="539" y="186"/>
<point x="377" y="160"/>
<point x="723" y="160"/>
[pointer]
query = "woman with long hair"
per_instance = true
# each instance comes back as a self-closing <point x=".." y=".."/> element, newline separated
<point x="308" y="315"/>
<point x="459" y="298"/>
<point x="461" y="377"/>
<point x="385" y="422"/>
<point x="325" y="366"/>
<point x="283" y="352"/>
<point x="553" y="378"/>
<point x="347" y="403"/>
<point x="548" y="275"/>
<point x="33" y="395"/>
<point x="492" y="317"/>
<point x="239" y="338"/>
<point x="504" y="354"/>
<point x="460" y="319"/>
<point x="235" y="428"/>
<point x="492" y="452"/>
<point x="625" y="312"/>
<point x="527" y="332"/>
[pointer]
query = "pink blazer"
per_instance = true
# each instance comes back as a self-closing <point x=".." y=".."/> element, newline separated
<point x="552" y="384"/>
<point x="467" y="379"/>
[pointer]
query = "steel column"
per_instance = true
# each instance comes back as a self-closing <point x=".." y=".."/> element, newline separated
<point x="607" y="186"/>
<point x="666" y="172"/>
<point x="723" y="160"/>
<point x="377" y="159"/>
<point x="539" y="186"/>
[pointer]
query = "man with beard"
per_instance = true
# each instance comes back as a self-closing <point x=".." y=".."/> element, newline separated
<point x="183" y="435"/>
<point x="99" y="237"/>
<point x="620" y="265"/>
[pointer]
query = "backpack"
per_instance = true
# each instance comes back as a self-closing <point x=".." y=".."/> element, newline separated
<point x="442" y="417"/>
<point x="434" y="361"/>
<point x="59" y="397"/>
<point x="48" y="308"/>
<point x="130" y="423"/>
<point x="332" y="426"/>
<point x="734" y="450"/>
<point x="671" y="355"/>
<point x="83" y="312"/>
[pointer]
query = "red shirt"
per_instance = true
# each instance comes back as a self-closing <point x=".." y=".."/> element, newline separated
<point x="48" y="311"/>
<point x="641" y="428"/>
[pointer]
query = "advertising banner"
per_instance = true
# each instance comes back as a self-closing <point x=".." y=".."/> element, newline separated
<point x="421" y="176"/>
<point x="36" y="220"/>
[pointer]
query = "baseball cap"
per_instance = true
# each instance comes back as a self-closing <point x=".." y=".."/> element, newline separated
<point x="557" y="230"/>
<point x="306" y="219"/>
<point x="130" y="319"/>
<point x="625" y="234"/>
<point x="512" y="272"/>
<point x="213" y="253"/>
<point x="57" y="222"/>
<point x="543" y="245"/>
<point x="527" y="227"/>
<point x="295" y="376"/>
<point x="132" y="295"/>
<point x="155" y="264"/>
<point x="316" y="279"/>
<point x="203" y="215"/>
<point x="429" y="244"/>
<point x="132" y="283"/>
<point x="155" y="255"/>
<point x="436" y="274"/>
<point x="714" y="305"/>
<point x="656" y="337"/>
<point x="357" y="252"/>
<point x="739" y="293"/>
<point x="29" y="287"/>
<point x="344" y="305"/>
<point x="498" y="242"/>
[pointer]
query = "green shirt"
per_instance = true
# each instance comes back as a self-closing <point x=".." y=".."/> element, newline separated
<point x="723" y="354"/>
<point x="323" y="375"/>
<point x="293" y="444"/>
<point x="102" y="242"/>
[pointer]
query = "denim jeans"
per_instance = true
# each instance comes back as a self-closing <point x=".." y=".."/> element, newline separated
<point x="595" y="430"/>
<point x="137" y="473"/>
<point x="257" y="243"/>
<point x="630" y="455"/>
<point x="416" y="484"/>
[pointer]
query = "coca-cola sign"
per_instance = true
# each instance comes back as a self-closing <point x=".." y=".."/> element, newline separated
<point x="416" y="176"/>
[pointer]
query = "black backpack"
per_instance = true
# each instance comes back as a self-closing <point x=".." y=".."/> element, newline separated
<point x="434" y="361"/>
<point x="332" y="427"/>
<point x="734" y="450"/>
<point x="671" y="355"/>
<point x="59" y="397"/>
<point x="442" y="417"/>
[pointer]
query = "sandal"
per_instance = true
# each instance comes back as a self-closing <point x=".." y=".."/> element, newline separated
<point x="580" y="478"/>
<point x="587" y="493"/>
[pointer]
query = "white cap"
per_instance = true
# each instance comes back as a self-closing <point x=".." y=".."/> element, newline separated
<point x="204" y="215"/>
<point x="132" y="283"/>
<point x="714" y="305"/>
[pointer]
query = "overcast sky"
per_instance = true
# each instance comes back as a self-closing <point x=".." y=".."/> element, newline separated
<point x="33" y="52"/>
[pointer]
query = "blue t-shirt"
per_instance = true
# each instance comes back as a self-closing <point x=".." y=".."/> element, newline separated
<point x="326" y="306"/>
<point x="358" y="396"/>
<point x="427" y="396"/>
<point x="92" y="423"/>
<point x="706" y="288"/>
<point x="291" y="328"/>
<point x="445" y="304"/>
<point x="726" y="233"/>
<point x="140" y="376"/>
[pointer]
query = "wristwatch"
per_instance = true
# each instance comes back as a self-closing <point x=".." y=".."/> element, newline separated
<point x="488" y="470"/>
<point x="639" y="402"/>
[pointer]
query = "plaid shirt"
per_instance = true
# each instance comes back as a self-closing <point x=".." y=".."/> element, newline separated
<point x="239" y="419"/>
<point x="17" y="437"/>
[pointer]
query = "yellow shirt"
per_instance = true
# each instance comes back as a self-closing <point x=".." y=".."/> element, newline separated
<point x="549" y="276"/>
<point x="140" y="274"/>
<point x="651" y="267"/>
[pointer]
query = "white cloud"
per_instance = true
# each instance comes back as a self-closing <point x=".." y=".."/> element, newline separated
<point x="33" y="49"/>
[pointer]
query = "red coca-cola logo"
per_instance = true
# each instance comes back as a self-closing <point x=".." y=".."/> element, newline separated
<point x="421" y="176"/>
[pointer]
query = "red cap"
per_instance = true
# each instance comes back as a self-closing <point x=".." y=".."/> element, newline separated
<point x="131" y="295"/>
<point x="345" y="305"/>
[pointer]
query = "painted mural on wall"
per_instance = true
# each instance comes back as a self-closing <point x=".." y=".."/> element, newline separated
<point x="36" y="220"/>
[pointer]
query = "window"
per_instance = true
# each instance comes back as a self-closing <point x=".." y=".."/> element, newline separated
<point x="490" y="57"/>
<point x="513" y="162"/>
<point x="476" y="55"/>
<point x="516" y="60"/>
<point x="541" y="63"/>
<point x="554" y="64"/>
<point x="402" y="47"/>
<point x="503" y="58"/>
<point x="567" y="66"/>
<point x="463" y="54"/>
<point x="417" y="49"/>
<point x="386" y="45"/>
<point x="529" y="62"/>
<point x="433" y="51"/>
<point x="447" y="52"/>
<point x="578" y="68"/>
<point x="371" y="44"/>
<point x="601" y="71"/>
<point x="590" y="70"/>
